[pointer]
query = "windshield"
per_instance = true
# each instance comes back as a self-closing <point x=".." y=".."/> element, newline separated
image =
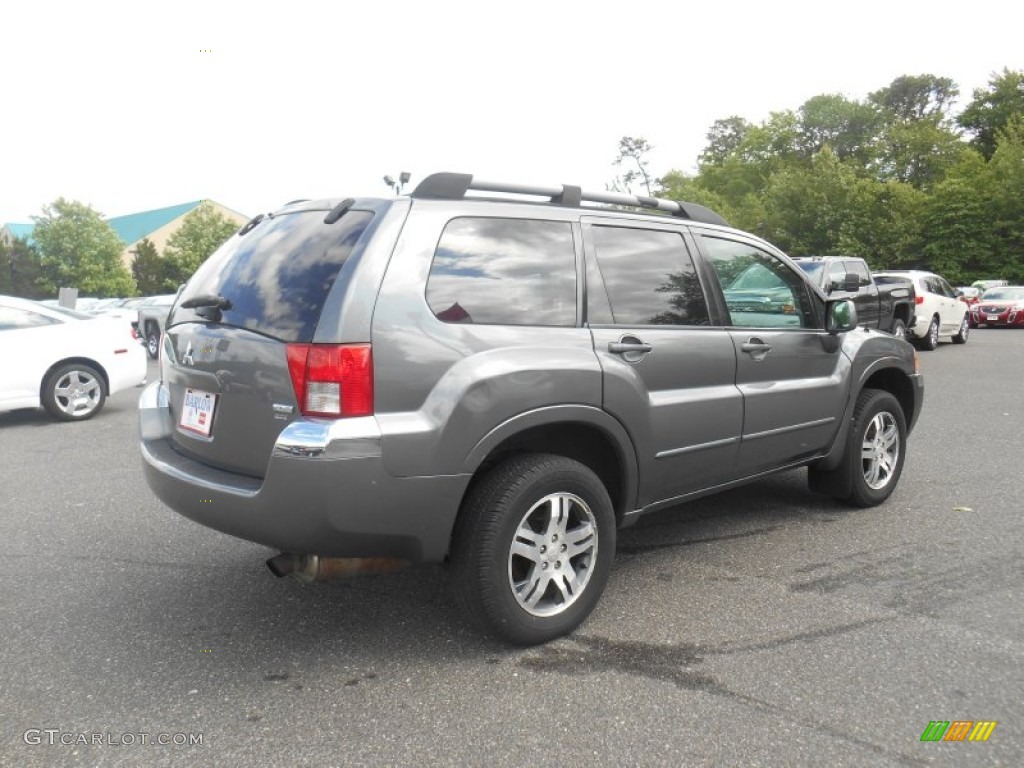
<point x="1011" y="293"/>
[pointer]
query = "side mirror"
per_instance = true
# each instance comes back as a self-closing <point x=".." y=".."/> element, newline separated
<point x="840" y="316"/>
<point x="851" y="284"/>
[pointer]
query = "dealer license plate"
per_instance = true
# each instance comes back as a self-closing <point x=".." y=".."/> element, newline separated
<point x="197" y="411"/>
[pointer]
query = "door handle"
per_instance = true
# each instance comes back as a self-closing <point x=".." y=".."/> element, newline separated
<point x="756" y="348"/>
<point x="622" y="347"/>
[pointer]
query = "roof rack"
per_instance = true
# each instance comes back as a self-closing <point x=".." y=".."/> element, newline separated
<point x="454" y="186"/>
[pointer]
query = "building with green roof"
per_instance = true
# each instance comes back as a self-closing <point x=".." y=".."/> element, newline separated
<point x="157" y="226"/>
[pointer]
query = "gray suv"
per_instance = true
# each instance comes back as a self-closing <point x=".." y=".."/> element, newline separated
<point x="502" y="384"/>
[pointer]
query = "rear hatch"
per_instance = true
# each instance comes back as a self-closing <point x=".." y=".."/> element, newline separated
<point x="253" y="304"/>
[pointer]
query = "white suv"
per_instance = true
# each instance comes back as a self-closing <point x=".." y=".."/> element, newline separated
<point x="940" y="313"/>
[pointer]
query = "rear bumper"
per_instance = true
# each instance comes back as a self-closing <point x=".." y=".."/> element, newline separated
<point x="325" y="491"/>
<point x="127" y="369"/>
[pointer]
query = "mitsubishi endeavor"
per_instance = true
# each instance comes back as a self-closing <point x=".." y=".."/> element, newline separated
<point x="500" y="377"/>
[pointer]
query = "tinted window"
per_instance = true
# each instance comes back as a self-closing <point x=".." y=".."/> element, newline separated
<point x="760" y="289"/>
<point x="649" y="276"/>
<point x="12" y="318"/>
<point x="278" y="275"/>
<point x="504" y="272"/>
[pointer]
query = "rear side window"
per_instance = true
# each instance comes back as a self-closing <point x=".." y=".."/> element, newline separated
<point x="504" y="272"/>
<point x="12" y="318"/>
<point x="278" y="275"/>
<point x="649" y="276"/>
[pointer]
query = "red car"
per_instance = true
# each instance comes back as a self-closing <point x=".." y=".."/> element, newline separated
<point x="1000" y="306"/>
<point x="970" y="295"/>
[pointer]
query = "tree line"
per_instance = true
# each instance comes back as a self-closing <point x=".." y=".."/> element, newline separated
<point x="896" y="178"/>
<point x="72" y="246"/>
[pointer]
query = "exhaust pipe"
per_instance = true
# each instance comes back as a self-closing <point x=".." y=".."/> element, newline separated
<point x="313" y="568"/>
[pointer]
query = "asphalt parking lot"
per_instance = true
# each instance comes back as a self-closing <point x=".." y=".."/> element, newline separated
<point x="765" y="626"/>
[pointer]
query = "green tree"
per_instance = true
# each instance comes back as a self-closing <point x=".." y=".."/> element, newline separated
<point x="202" y="232"/>
<point x="151" y="271"/>
<point x="917" y="97"/>
<point x="724" y="138"/>
<point x="78" y="249"/>
<point x="20" y="270"/>
<point x="808" y="207"/>
<point x="992" y="109"/>
<point x="847" y="127"/>
<point x="633" y="152"/>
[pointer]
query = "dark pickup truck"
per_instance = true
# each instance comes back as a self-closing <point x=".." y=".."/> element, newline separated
<point x="887" y="306"/>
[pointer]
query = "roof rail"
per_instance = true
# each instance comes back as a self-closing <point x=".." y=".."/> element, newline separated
<point x="454" y="186"/>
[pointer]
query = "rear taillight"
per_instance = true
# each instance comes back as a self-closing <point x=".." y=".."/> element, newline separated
<point x="919" y="299"/>
<point x="332" y="379"/>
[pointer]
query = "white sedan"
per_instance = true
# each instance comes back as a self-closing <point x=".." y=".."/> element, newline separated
<point x="66" y="361"/>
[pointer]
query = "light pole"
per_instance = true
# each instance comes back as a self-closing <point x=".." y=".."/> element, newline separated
<point x="403" y="179"/>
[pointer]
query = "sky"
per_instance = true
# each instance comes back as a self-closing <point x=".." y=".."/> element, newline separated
<point x="129" y="106"/>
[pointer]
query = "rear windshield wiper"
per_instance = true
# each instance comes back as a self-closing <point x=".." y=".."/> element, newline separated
<point x="207" y="300"/>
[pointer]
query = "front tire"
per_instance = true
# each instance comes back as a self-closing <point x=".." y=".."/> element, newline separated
<point x="963" y="333"/>
<point x="533" y="548"/>
<point x="74" y="392"/>
<point x="152" y="340"/>
<point x="876" y="450"/>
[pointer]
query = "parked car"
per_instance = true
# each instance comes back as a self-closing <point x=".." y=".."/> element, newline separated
<point x="984" y="285"/>
<point x="941" y="316"/>
<point x="1000" y="307"/>
<point x="63" y="360"/>
<point x="502" y="384"/>
<point x="152" y="314"/>
<point x="969" y="295"/>
<point x="887" y="305"/>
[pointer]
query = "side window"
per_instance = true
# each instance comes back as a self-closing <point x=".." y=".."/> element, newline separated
<point x="650" y="277"/>
<point x="12" y="319"/>
<point x="760" y="290"/>
<point x="947" y="289"/>
<point x="504" y="272"/>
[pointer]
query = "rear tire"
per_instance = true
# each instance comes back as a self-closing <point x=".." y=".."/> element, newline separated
<point x="931" y="339"/>
<point x="899" y="329"/>
<point x="152" y="340"/>
<point x="74" y="392"/>
<point x="533" y="548"/>
<point x="965" y="330"/>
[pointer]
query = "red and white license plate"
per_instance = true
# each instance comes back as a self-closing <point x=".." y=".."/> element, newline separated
<point x="197" y="411"/>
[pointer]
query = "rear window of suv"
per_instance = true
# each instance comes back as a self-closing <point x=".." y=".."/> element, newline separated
<point x="277" y="276"/>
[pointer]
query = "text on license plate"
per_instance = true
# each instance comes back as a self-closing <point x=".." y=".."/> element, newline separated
<point x="197" y="411"/>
